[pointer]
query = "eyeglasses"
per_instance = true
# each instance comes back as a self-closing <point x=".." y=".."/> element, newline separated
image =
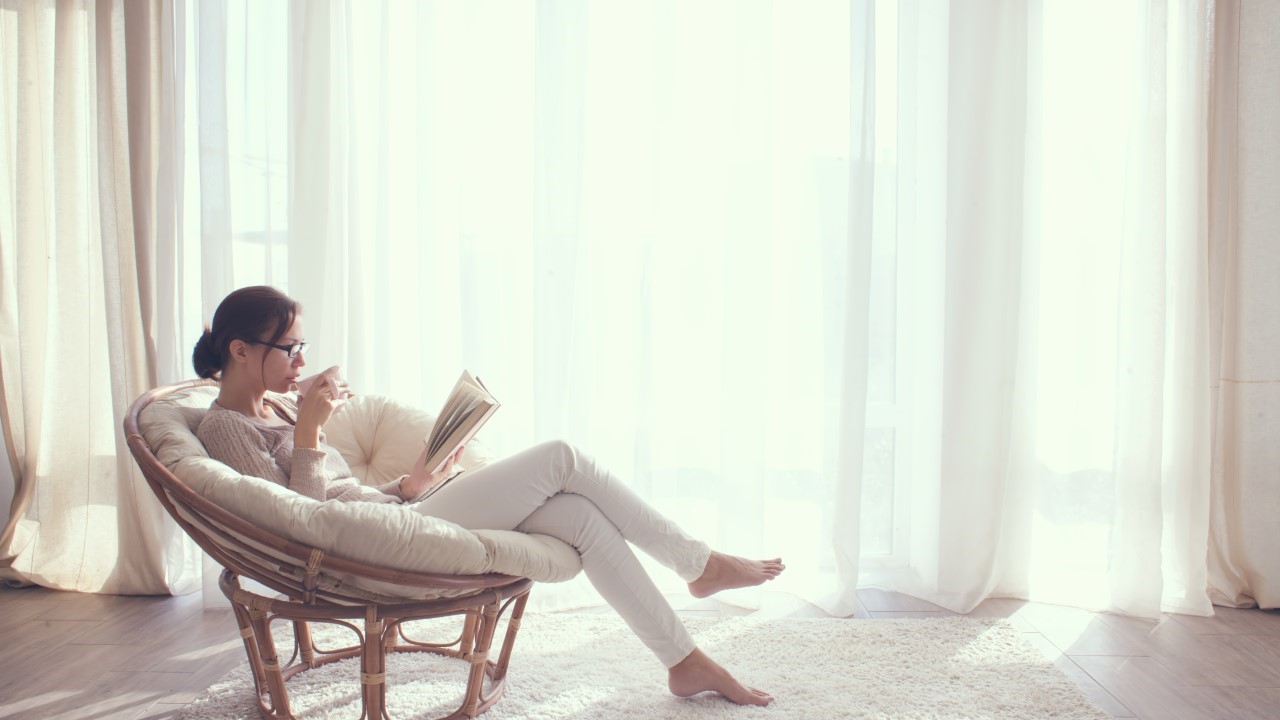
<point x="292" y="350"/>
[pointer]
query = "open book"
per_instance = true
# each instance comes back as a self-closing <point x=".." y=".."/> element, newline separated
<point x="469" y="405"/>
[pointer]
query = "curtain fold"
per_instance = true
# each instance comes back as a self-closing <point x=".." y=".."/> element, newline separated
<point x="852" y="424"/>
<point x="983" y="340"/>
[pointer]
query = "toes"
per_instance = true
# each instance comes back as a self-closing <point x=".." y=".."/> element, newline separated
<point x="763" y="697"/>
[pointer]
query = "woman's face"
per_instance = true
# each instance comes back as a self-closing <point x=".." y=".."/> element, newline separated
<point x="279" y="371"/>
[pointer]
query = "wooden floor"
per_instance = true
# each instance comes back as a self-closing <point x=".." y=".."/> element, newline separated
<point x="101" y="657"/>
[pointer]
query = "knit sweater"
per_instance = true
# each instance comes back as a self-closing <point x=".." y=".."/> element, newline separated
<point x="252" y="447"/>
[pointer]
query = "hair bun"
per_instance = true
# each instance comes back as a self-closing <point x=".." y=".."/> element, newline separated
<point x="206" y="359"/>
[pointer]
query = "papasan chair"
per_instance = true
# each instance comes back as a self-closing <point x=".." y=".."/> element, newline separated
<point x="369" y="567"/>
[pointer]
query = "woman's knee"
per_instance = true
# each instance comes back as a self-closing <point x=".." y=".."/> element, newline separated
<point x="562" y="453"/>
<point x="569" y="517"/>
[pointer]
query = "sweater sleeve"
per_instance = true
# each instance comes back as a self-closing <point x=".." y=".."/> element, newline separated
<point x="392" y="488"/>
<point x="239" y="445"/>
<point x="350" y="490"/>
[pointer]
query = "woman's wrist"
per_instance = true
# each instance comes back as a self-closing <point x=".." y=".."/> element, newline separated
<point x="306" y="436"/>
<point x="400" y="488"/>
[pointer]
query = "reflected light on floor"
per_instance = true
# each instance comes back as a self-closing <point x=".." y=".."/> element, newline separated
<point x="215" y="649"/>
<point x="1070" y="566"/>
<point x="27" y="706"/>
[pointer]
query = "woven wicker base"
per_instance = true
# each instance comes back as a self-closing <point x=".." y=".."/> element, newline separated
<point x="381" y="632"/>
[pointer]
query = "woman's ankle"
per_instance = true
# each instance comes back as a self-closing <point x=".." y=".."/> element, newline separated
<point x="692" y="674"/>
<point x="699" y="673"/>
<point x="724" y="572"/>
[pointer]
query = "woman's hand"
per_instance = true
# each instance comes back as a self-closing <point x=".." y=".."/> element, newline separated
<point x="420" y="479"/>
<point x="325" y="392"/>
<point x="333" y="377"/>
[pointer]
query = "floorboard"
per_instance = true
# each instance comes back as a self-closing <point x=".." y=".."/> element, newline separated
<point x="69" y="655"/>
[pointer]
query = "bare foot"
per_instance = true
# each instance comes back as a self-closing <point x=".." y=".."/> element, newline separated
<point x="699" y="673"/>
<point x="730" y="571"/>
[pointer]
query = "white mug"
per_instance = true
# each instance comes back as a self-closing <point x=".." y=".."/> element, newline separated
<point x="339" y="399"/>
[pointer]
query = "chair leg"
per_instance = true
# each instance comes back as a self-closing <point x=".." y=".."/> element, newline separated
<point x="270" y="663"/>
<point x="373" y="677"/>
<point x="393" y="637"/>
<point x="508" y="642"/>
<point x="469" y="624"/>
<point x="306" y="649"/>
<point x="251" y="651"/>
<point x="479" y="658"/>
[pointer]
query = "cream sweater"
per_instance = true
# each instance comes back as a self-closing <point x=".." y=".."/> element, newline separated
<point x="255" y="448"/>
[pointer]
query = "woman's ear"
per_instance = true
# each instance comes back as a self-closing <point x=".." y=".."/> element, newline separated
<point x="239" y="350"/>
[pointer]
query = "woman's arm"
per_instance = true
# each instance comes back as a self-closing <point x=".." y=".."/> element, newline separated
<point x="350" y="490"/>
<point x="327" y="391"/>
<point x="420" y="480"/>
<point x="342" y="489"/>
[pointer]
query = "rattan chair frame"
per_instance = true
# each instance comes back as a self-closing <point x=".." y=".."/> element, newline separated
<point x="294" y="570"/>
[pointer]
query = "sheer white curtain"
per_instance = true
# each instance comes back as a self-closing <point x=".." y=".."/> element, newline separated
<point x="905" y="292"/>
<point x="911" y="293"/>
<point x="1051" y="223"/>
<point x="1050" y="209"/>
<point x="629" y="219"/>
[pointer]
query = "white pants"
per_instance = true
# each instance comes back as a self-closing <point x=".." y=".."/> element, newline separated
<point x="557" y="490"/>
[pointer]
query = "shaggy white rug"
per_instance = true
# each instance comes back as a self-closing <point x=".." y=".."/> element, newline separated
<point x="591" y="666"/>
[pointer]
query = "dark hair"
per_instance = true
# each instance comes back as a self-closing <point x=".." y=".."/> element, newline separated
<point x="250" y="313"/>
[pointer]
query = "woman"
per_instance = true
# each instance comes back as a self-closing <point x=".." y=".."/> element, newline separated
<point x="256" y="345"/>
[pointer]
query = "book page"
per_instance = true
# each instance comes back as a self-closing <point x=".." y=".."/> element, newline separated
<point x="455" y="413"/>
<point x="450" y="426"/>
<point x="469" y="406"/>
<point x="448" y="414"/>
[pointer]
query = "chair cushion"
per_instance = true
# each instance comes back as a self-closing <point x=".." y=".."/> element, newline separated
<point x="379" y="438"/>
<point x="169" y="424"/>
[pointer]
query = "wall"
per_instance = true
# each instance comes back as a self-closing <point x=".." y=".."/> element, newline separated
<point x="1244" y="567"/>
<point x="1258" y="217"/>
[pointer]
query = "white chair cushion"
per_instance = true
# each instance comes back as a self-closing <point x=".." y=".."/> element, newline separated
<point x="379" y="439"/>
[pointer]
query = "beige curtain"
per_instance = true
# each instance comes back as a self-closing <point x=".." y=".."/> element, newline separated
<point x="78" y="221"/>
<point x="1244" y="567"/>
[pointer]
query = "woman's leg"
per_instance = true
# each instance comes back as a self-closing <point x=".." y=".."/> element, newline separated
<point x="552" y="489"/>
<point x="501" y="495"/>
<point x="615" y="571"/>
